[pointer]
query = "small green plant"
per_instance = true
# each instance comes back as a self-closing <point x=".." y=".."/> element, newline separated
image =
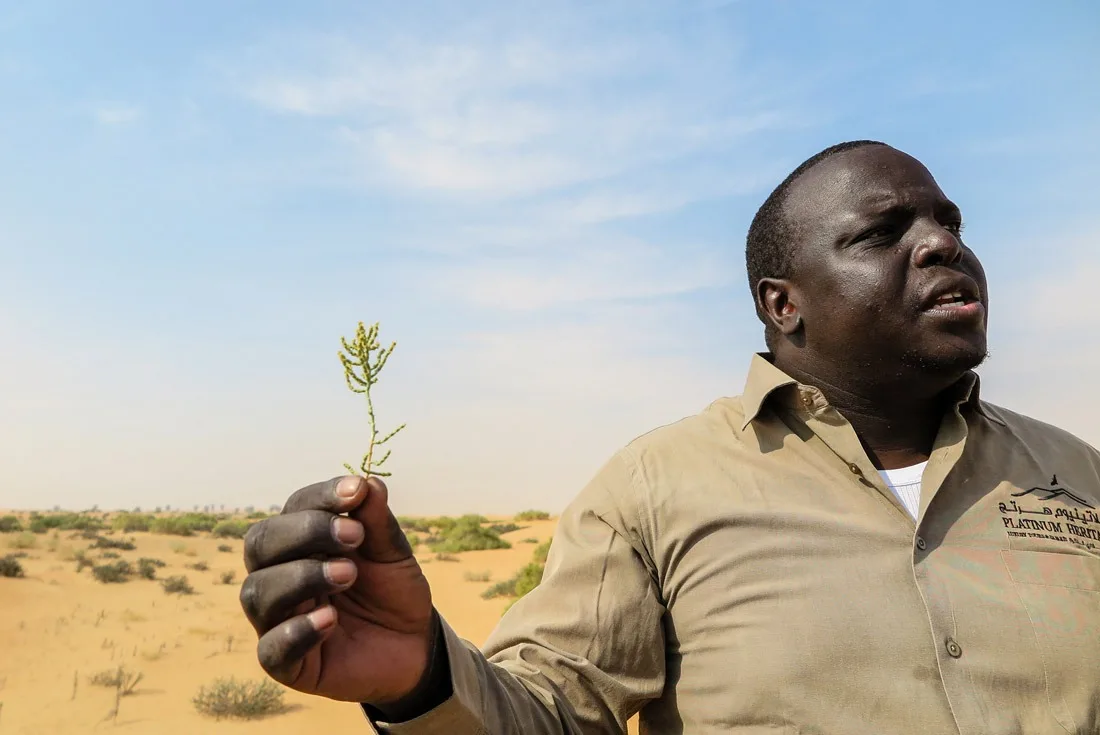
<point x="532" y="515"/>
<point x="23" y="540"/>
<point x="363" y="359"/>
<point x="177" y="585"/>
<point x="82" y="560"/>
<point x="243" y="700"/>
<point x="476" y="576"/>
<point x="225" y="548"/>
<point x="228" y="577"/>
<point x="541" y="552"/>
<point x="10" y="524"/>
<point x="10" y="567"/>
<point x="199" y="566"/>
<point x="115" y="573"/>
<point x="130" y="522"/>
<point x="110" y="555"/>
<point x="529" y="541"/>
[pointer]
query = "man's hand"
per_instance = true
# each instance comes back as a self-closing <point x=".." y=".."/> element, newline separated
<point x="340" y="604"/>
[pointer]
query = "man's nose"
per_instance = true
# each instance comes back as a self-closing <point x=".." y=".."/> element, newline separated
<point x="936" y="246"/>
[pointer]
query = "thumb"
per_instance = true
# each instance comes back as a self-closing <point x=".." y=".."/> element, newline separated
<point x="384" y="540"/>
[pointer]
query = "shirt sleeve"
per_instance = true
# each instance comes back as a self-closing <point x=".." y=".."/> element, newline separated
<point x="583" y="651"/>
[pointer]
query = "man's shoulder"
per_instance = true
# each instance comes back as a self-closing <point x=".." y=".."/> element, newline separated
<point x="1032" y="431"/>
<point x="719" y="421"/>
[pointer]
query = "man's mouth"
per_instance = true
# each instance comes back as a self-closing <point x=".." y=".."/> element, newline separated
<point x="961" y="305"/>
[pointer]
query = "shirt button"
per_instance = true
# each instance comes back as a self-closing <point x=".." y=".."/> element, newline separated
<point x="953" y="648"/>
<point x="855" y="468"/>
<point x="921" y="544"/>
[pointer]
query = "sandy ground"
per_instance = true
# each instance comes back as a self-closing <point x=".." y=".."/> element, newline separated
<point x="58" y="627"/>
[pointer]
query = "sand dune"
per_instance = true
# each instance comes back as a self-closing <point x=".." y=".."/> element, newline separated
<point x="58" y="627"/>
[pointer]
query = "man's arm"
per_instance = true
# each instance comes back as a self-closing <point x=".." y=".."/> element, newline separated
<point x="581" y="653"/>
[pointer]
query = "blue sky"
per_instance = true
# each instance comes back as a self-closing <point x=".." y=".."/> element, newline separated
<point x="543" y="203"/>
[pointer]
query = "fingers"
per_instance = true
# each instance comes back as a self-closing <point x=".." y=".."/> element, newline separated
<point x="384" y="540"/>
<point x="282" y="648"/>
<point x="338" y="495"/>
<point x="269" y="596"/>
<point x="284" y="538"/>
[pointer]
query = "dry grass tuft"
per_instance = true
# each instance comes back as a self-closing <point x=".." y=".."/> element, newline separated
<point x="243" y="700"/>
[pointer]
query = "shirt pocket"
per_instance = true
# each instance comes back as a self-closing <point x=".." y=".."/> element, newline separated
<point x="1061" y="595"/>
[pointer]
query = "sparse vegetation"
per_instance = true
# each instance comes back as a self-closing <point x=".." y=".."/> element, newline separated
<point x="64" y="521"/>
<point x="110" y="555"/>
<point x="499" y="528"/>
<point x="525" y="580"/>
<point x="147" y="568"/>
<point x="541" y="552"/>
<point x="114" y="573"/>
<point x="119" y="678"/>
<point x="225" y="548"/>
<point x="178" y="547"/>
<point x="102" y="542"/>
<point x="130" y="522"/>
<point x="10" y="524"/>
<point x="446" y="557"/>
<point x="10" y="567"/>
<point x="82" y="560"/>
<point x="529" y="541"/>
<point x="228" y="577"/>
<point x="177" y="585"/>
<point x="23" y="540"/>
<point x="231" y="529"/>
<point x="199" y="566"/>
<point x="468" y="534"/>
<point x="532" y="515"/>
<point x="476" y="576"/>
<point x="244" y="700"/>
<point x="413" y="539"/>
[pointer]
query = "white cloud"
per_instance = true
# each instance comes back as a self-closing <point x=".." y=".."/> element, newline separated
<point x="117" y="114"/>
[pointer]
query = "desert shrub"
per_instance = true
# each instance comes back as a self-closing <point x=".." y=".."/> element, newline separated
<point x="418" y="525"/>
<point x="528" y="578"/>
<point x="529" y="541"/>
<point x="228" y="577"/>
<point x="499" y="528"/>
<point x="130" y="522"/>
<point x="177" y="585"/>
<point x="243" y="700"/>
<point x="114" y="573"/>
<point x="178" y="547"/>
<point x="147" y="568"/>
<point x="413" y="539"/>
<point x="121" y="679"/>
<point x="10" y="567"/>
<point x="476" y="576"/>
<point x="446" y="557"/>
<point x="110" y="555"/>
<point x="225" y="548"/>
<point x="532" y="515"/>
<point x="468" y="534"/>
<point x="505" y="588"/>
<point x="10" y="524"/>
<point x="102" y="542"/>
<point x="66" y="521"/>
<point x="23" y="540"/>
<point x="231" y="529"/>
<point x="171" y="526"/>
<point x="199" y="566"/>
<point x="541" y="552"/>
<point x="82" y="560"/>
<point x="258" y="515"/>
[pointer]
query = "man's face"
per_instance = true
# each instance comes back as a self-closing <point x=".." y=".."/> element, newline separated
<point x="882" y="276"/>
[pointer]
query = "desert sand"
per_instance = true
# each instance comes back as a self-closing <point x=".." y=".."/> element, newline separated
<point x="58" y="627"/>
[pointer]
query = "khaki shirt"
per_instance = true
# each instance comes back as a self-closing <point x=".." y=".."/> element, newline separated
<point x="745" y="570"/>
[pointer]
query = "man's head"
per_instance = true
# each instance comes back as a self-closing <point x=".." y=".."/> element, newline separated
<point x="856" y="263"/>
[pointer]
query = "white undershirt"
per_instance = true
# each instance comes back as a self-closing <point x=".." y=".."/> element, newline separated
<point x="905" y="484"/>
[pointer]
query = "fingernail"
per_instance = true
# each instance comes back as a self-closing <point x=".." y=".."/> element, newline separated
<point x="347" y="487"/>
<point x="323" y="617"/>
<point x="347" y="531"/>
<point x="339" y="571"/>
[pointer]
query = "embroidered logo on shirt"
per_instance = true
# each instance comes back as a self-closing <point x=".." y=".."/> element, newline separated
<point x="1057" y="521"/>
<point x="1054" y="492"/>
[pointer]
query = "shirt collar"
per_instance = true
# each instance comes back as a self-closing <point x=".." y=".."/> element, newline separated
<point x="764" y="379"/>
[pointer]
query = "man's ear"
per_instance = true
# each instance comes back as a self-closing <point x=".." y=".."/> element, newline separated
<point x="777" y="299"/>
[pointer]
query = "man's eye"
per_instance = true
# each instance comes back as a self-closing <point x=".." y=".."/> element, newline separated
<point x="955" y="228"/>
<point x="876" y="233"/>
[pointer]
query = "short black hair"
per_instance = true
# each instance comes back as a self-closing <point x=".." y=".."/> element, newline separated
<point x="768" y="251"/>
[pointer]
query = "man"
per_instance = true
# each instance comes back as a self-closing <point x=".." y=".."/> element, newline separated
<point x="757" y="568"/>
